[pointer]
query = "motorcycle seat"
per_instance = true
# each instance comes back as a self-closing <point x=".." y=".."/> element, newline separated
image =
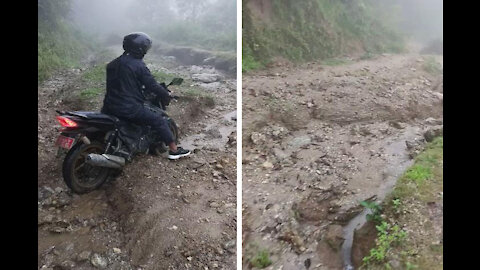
<point x="95" y="115"/>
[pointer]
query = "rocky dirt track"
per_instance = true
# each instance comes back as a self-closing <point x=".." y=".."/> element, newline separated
<point x="319" y="139"/>
<point x="158" y="214"/>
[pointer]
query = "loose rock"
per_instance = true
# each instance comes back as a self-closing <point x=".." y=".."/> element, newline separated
<point x="98" y="261"/>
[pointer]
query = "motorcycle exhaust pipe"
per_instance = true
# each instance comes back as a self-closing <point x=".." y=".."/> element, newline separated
<point x="104" y="160"/>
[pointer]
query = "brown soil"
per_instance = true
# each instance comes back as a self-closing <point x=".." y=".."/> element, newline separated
<point x="319" y="139"/>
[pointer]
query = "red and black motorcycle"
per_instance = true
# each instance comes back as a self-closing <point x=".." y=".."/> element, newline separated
<point x="99" y="145"/>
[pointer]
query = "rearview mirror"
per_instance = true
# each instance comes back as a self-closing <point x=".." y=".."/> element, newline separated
<point x="176" y="81"/>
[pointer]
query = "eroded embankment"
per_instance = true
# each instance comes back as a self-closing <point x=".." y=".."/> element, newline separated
<point x="318" y="140"/>
<point x="223" y="61"/>
<point x="157" y="214"/>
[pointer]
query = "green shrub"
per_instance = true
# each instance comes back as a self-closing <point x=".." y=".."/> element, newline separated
<point x="261" y="260"/>
<point x="388" y="236"/>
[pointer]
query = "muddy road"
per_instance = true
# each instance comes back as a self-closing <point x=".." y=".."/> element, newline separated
<point x="158" y="214"/>
<point x="319" y="139"/>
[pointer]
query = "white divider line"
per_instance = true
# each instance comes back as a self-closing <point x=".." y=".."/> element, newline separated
<point x="239" y="134"/>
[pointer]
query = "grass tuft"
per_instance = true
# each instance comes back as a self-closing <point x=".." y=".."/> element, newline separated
<point x="261" y="259"/>
<point x="432" y="66"/>
<point x="90" y="93"/>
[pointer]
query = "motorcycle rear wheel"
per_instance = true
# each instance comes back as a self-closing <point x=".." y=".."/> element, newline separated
<point x="79" y="176"/>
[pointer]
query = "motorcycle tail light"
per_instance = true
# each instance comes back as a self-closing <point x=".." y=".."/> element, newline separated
<point x="66" y="122"/>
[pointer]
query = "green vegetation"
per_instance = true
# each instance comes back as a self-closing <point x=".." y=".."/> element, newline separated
<point x="185" y="89"/>
<point x="162" y="76"/>
<point x="335" y="61"/>
<point x="420" y="187"/>
<point x="60" y="45"/>
<point x="419" y="173"/>
<point x="90" y="93"/>
<point x="376" y="211"/>
<point x="261" y="260"/>
<point x="388" y="236"/>
<point x="425" y="177"/>
<point x="248" y="61"/>
<point x="397" y="204"/>
<point x="432" y="66"/>
<point x="95" y="74"/>
<point x="319" y="29"/>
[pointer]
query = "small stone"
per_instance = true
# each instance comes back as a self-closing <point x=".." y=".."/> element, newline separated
<point x="279" y="154"/>
<point x="257" y="138"/>
<point x="396" y="125"/>
<point x="214" y="205"/>
<point x="229" y="244"/>
<point x="307" y="263"/>
<point x="98" y="261"/>
<point x="189" y="258"/>
<point x="67" y="265"/>
<point x="394" y="264"/>
<point x="431" y="133"/>
<point x="301" y="141"/>
<point x="117" y="250"/>
<point x="83" y="256"/>
<point x="267" y="164"/>
<point x="433" y="121"/>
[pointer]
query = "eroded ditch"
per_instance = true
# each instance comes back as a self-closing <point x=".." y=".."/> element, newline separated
<point x="399" y="160"/>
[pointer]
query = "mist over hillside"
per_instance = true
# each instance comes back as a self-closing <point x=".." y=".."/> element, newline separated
<point x="322" y="29"/>
<point x="208" y="24"/>
<point x="69" y="30"/>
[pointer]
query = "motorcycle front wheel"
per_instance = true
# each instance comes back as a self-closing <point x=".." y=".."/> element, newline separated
<point x="79" y="176"/>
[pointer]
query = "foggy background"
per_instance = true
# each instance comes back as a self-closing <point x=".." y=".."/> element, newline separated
<point x="422" y="20"/>
<point x="209" y="24"/>
<point x="212" y="23"/>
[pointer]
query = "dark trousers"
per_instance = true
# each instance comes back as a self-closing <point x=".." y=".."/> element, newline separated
<point x="146" y="117"/>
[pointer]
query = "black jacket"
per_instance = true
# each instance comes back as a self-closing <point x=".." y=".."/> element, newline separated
<point x="125" y="77"/>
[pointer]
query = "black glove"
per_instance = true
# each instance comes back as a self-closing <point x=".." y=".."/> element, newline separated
<point x="164" y="95"/>
<point x="166" y="101"/>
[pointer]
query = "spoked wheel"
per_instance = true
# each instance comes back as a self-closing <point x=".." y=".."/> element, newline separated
<point x="160" y="148"/>
<point x="79" y="176"/>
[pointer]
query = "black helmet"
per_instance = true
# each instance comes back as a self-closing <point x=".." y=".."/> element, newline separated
<point x="137" y="43"/>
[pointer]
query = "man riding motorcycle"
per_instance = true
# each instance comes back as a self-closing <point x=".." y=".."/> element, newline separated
<point x="126" y="76"/>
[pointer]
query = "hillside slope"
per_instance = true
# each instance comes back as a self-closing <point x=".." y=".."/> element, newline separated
<point x="320" y="29"/>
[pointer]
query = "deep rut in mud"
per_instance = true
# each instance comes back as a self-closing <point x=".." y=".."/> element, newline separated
<point x="317" y="140"/>
<point x="158" y="214"/>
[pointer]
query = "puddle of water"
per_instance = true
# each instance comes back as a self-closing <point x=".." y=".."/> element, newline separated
<point x="398" y="162"/>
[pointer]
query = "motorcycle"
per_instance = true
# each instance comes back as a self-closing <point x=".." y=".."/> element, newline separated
<point x="99" y="145"/>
